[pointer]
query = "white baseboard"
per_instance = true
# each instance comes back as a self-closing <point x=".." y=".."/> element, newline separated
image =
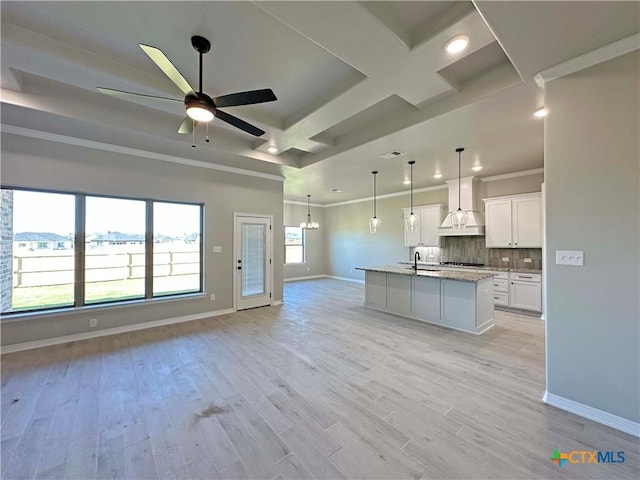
<point x="17" y="347"/>
<point x="310" y="277"/>
<point x="276" y="302"/>
<point x="599" y="416"/>
<point x="346" y="279"/>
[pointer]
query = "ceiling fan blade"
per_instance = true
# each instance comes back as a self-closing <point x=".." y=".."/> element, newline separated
<point x="123" y="94"/>
<point x="245" y="98"/>
<point x="236" y="122"/>
<point x="161" y="60"/>
<point x="186" y="126"/>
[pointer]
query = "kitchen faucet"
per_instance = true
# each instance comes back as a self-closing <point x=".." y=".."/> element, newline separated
<point x="416" y="257"/>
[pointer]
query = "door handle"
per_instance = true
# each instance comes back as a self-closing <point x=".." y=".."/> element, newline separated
<point x="239" y="267"/>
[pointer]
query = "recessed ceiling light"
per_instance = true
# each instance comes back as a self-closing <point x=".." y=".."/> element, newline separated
<point x="406" y="182"/>
<point x="541" y="112"/>
<point x="272" y="149"/>
<point x="336" y="190"/>
<point x="437" y="175"/>
<point x="457" y="44"/>
<point x="476" y="168"/>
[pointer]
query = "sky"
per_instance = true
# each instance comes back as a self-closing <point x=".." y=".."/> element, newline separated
<point x="54" y="212"/>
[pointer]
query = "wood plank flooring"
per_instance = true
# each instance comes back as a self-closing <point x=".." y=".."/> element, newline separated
<point x="319" y="387"/>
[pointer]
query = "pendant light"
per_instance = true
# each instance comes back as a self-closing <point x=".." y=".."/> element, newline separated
<point x="374" y="222"/>
<point x="459" y="217"/>
<point x="309" y="225"/>
<point x="412" y="218"/>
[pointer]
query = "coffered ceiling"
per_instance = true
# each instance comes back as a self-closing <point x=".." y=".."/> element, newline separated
<point x="354" y="80"/>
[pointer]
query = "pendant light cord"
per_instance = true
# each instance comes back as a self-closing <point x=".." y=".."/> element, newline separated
<point x="374" y="193"/>
<point x="308" y="210"/>
<point x="411" y="164"/>
<point x="459" y="150"/>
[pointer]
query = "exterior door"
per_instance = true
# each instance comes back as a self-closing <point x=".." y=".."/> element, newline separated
<point x="253" y="267"/>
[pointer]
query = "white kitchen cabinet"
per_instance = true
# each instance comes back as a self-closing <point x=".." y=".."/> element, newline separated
<point x="525" y="295"/>
<point x="514" y="221"/>
<point x="427" y="233"/>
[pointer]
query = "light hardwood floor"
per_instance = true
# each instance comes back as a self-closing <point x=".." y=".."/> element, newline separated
<point x="319" y="387"/>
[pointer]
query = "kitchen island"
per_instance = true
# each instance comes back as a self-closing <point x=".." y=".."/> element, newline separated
<point x="455" y="299"/>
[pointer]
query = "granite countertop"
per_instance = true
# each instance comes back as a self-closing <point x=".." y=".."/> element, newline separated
<point x="461" y="276"/>
<point x="485" y="267"/>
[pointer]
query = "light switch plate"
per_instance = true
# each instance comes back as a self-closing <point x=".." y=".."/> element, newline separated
<point x="505" y="259"/>
<point x="527" y="260"/>
<point x="217" y="249"/>
<point x="570" y="257"/>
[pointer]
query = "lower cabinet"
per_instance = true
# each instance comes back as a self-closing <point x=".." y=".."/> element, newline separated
<point x="525" y="295"/>
<point x="517" y="290"/>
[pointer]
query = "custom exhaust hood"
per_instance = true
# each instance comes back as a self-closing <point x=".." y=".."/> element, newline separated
<point x="470" y="202"/>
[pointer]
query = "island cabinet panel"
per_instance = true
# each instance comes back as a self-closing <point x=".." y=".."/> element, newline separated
<point x="459" y="304"/>
<point x="376" y="288"/>
<point x="426" y="297"/>
<point x="399" y="292"/>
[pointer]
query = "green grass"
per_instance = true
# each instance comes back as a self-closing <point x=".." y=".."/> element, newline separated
<point x="36" y="298"/>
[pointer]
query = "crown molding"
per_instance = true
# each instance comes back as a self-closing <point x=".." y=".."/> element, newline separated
<point x="589" y="59"/>
<point x="523" y="173"/>
<point x="108" y="147"/>
<point x="293" y="202"/>
<point x="388" y="195"/>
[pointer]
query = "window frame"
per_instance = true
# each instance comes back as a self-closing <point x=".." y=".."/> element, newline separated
<point x="80" y="250"/>
<point x="303" y="244"/>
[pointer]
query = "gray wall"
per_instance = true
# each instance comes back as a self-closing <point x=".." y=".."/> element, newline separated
<point x="41" y="164"/>
<point x="592" y="183"/>
<point x="349" y="244"/>
<point x="314" y="241"/>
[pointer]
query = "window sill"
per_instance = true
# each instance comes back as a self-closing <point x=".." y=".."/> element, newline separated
<point x="20" y="317"/>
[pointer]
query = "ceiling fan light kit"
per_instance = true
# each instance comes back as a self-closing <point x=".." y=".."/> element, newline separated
<point x="200" y="107"/>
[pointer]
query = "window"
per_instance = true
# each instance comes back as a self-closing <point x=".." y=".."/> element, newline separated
<point x="293" y="245"/>
<point x="114" y="266"/>
<point x="176" y="248"/>
<point x="35" y="276"/>
<point x="43" y="268"/>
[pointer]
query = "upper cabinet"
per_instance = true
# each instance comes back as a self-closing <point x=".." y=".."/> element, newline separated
<point x="427" y="233"/>
<point x="514" y="221"/>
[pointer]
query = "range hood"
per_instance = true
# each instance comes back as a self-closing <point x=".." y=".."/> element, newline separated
<point x="469" y="202"/>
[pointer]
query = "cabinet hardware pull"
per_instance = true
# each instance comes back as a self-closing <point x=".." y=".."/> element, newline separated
<point x="524" y="276"/>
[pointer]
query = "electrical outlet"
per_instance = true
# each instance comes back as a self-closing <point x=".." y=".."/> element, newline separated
<point x="527" y="260"/>
<point x="93" y="323"/>
<point x="217" y="249"/>
<point x="213" y="297"/>
<point x="431" y="255"/>
<point x="308" y="269"/>
<point x="505" y="259"/>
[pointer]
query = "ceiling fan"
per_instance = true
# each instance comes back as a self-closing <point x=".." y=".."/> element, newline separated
<point x="200" y="107"/>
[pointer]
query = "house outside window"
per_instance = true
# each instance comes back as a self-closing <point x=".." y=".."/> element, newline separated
<point x="294" y="245"/>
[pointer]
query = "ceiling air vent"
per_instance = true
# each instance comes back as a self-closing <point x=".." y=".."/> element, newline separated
<point x="392" y="154"/>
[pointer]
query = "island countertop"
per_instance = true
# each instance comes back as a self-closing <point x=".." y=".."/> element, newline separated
<point x="461" y="275"/>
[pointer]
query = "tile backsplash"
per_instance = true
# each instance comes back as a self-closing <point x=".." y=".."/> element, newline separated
<point x="473" y="250"/>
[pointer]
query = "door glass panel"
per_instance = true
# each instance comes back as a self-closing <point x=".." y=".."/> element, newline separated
<point x="253" y="257"/>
